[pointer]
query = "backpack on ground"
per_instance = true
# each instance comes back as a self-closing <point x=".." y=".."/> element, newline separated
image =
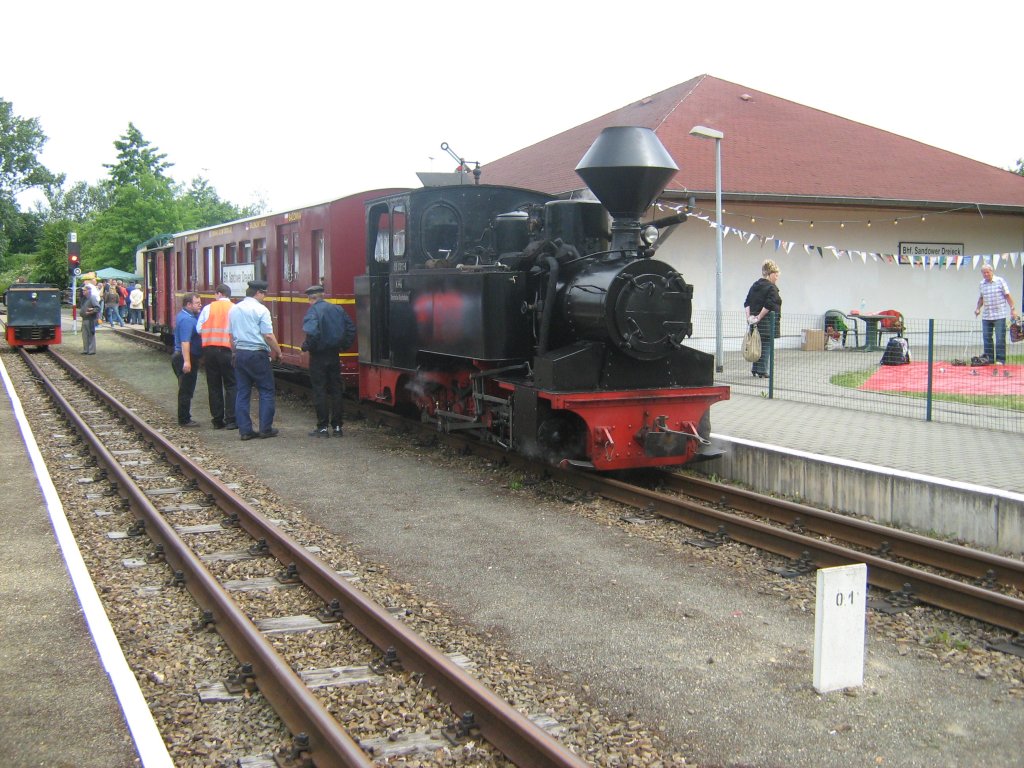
<point x="897" y="352"/>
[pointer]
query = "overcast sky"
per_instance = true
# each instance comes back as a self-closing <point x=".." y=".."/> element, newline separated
<point x="302" y="101"/>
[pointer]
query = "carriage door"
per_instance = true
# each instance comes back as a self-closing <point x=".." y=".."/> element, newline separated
<point x="292" y="303"/>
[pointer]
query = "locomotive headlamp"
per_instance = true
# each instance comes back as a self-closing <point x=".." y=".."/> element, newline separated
<point x="650" y="235"/>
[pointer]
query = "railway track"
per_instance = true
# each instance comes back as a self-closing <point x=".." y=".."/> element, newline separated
<point x="911" y="568"/>
<point x="147" y="469"/>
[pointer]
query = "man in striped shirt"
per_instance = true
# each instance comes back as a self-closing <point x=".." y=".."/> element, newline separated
<point x="995" y="305"/>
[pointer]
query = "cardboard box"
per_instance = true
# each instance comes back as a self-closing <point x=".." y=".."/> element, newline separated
<point x="812" y="340"/>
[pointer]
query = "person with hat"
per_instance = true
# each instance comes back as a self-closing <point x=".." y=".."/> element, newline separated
<point x="328" y="330"/>
<point x="254" y="343"/>
<point x="220" y="373"/>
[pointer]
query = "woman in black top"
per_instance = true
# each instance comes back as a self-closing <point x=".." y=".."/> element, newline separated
<point x="763" y="298"/>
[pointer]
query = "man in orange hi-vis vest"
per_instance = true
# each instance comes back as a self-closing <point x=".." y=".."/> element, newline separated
<point x="220" y="374"/>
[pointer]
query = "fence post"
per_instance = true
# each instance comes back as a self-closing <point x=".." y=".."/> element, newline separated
<point x="771" y="355"/>
<point x="931" y="369"/>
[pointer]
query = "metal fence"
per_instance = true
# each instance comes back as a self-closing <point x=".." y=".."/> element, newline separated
<point x="844" y="369"/>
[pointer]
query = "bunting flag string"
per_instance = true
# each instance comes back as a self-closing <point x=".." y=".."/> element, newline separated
<point x="929" y="262"/>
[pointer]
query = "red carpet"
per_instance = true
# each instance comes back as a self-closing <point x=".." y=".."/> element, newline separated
<point x="964" y="380"/>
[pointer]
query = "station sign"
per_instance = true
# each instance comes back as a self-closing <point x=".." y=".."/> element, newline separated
<point x="931" y="250"/>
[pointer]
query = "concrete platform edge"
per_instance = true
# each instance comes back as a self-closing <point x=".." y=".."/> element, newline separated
<point x="981" y="516"/>
<point x="148" y="741"/>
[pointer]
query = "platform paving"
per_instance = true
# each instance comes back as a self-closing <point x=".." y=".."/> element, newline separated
<point x="956" y="452"/>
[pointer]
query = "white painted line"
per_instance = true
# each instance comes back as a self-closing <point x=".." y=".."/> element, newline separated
<point x="890" y="471"/>
<point x="148" y="741"/>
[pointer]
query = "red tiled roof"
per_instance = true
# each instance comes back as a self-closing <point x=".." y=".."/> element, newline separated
<point x="772" y="148"/>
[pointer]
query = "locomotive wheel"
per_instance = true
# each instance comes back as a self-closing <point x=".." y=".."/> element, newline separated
<point x="563" y="437"/>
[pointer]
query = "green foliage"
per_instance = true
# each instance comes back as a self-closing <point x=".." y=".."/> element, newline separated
<point x="1020" y="167"/>
<point x="136" y="212"/>
<point x="136" y="161"/>
<point x="21" y="140"/>
<point x="19" y="265"/>
<point x="52" y="260"/>
<point x="201" y="206"/>
<point x="135" y="202"/>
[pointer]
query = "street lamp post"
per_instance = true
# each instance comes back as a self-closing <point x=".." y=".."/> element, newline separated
<point x="710" y="133"/>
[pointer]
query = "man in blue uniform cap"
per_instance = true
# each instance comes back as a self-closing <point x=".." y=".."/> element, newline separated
<point x="329" y="331"/>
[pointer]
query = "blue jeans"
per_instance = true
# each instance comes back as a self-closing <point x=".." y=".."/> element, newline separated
<point x="113" y="317"/>
<point x="999" y="327"/>
<point x="252" y="369"/>
<point x="767" y="328"/>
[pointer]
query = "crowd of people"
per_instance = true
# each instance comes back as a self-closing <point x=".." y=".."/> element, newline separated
<point x="236" y="345"/>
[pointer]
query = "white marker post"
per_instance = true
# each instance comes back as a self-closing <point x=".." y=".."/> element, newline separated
<point x="839" y="614"/>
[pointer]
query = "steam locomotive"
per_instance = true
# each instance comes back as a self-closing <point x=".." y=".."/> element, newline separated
<point x="537" y="323"/>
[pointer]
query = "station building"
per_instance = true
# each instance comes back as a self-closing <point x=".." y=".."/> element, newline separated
<point x="852" y="214"/>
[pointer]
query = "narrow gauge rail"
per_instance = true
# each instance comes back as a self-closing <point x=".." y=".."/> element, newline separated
<point x="977" y="602"/>
<point x="892" y="542"/>
<point x="318" y="735"/>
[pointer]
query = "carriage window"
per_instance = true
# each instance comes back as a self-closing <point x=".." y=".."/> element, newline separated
<point x="318" y="255"/>
<point x="215" y="276"/>
<point x="232" y="250"/>
<point x="260" y="262"/>
<point x="246" y="252"/>
<point x="208" y="252"/>
<point x="440" y="232"/>
<point x="180" y="264"/>
<point x="190" y="267"/>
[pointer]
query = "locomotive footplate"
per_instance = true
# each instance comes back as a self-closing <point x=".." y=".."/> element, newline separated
<point x="616" y="429"/>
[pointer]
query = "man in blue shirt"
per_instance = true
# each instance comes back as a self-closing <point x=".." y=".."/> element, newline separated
<point x="252" y="337"/>
<point x="188" y="346"/>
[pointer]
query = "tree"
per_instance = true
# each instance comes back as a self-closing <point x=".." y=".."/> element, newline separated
<point x="136" y="160"/>
<point x="201" y="206"/>
<point x="52" y="262"/>
<point x="141" y="202"/>
<point x="21" y="141"/>
<point x="1020" y="167"/>
<point x="78" y="203"/>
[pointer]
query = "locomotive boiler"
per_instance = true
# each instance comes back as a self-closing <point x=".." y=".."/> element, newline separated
<point x="541" y="324"/>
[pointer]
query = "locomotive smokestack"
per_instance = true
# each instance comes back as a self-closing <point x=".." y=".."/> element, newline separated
<point x="627" y="167"/>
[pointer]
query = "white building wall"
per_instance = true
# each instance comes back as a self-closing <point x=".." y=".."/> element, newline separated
<point x="812" y="284"/>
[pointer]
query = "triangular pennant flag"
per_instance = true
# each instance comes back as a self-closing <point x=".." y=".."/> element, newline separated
<point x="777" y="244"/>
<point x="863" y="257"/>
<point x="975" y="258"/>
<point x="750" y="237"/>
<point x="763" y="239"/>
<point x="789" y="247"/>
<point x="821" y="253"/>
<point x="1013" y="258"/>
<point x="807" y="249"/>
